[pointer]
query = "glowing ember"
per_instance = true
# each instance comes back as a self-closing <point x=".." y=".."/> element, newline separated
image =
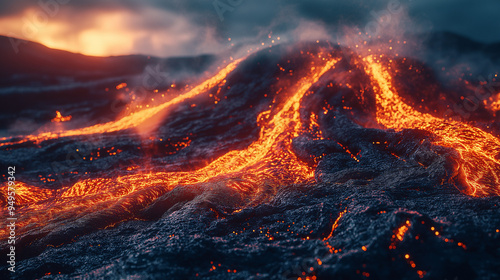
<point x="60" y="118"/>
<point x="122" y="85"/>
<point x="314" y="127"/>
<point x="493" y="104"/>
<point x="399" y="234"/>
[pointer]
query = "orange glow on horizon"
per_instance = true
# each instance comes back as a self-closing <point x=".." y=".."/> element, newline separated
<point x="106" y="33"/>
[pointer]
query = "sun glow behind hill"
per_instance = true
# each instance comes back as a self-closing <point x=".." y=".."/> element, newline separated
<point x="111" y="32"/>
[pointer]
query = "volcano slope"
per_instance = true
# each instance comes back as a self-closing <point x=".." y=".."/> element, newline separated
<point x="308" y="161"/>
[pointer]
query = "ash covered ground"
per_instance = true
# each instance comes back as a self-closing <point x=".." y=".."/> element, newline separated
<point x="381" y="204"/>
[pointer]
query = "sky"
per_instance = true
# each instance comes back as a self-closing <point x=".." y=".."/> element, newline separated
<point x="189" y="27"/>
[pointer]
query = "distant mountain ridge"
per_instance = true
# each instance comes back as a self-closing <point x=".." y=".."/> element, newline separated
<point x="34" y="61"/>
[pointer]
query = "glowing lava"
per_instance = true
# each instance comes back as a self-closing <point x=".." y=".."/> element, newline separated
<point x="60" y="118"/>
<point x="254" y="172"/>
<point x="264" y="165"/>
<point x="134" y="119"/>
<point x="479" y="150"/>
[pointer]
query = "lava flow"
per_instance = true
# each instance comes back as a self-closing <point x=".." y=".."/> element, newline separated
<point x="255" y="171"/>
<point x="479" y="150"/>
<point x="131" y="121"/>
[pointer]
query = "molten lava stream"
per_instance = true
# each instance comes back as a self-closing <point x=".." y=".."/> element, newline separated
<point x="265" y="164"/>
<point x="478" y="149"/>
<point x="134" y="119"/>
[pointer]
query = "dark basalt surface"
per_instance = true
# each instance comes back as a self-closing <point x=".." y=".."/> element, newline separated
<point x="208" y="231"/>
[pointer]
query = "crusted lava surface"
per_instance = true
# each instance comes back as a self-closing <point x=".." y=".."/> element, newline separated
<point x="338" y="195"/>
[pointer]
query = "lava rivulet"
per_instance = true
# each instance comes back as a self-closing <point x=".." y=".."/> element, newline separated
<point x="254" y="172"/>
<point x="132" y="120"/>
<point x="265" y="164"/>
<point x="477" y="148"/>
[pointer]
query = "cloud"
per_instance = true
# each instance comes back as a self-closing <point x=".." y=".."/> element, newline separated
<point x="477" y="20"/>
<point x="186" y="27"/>
<point x="113" y="32"/>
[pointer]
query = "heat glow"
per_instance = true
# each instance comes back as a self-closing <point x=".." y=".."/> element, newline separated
<point x="265" y="164"/>
<point x="256" y="171"/>
<point x="133" y="120"/>
<point x="478" y="149"/>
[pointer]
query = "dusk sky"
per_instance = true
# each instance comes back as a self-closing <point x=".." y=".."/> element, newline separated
<point x="188" y="27"/>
